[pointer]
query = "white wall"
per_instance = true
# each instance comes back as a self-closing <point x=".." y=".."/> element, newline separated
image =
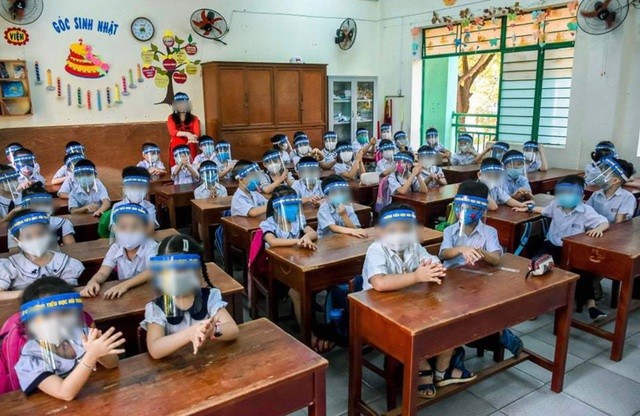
<point x="604" y="106"/>
<point x="260" y="30"/>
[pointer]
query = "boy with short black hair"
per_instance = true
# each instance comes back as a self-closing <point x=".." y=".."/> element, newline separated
<point x="183" y="172"/>
<point x="516" y="183"/>
<point x="492" y="174"/>
<point x="151" y="161"/>
<point x="247" y="201"/>
<point x="135" y="189"/>
<point x="88" y="194"/>
<point x="611" y="200"/>
<point x="336" y="213"/>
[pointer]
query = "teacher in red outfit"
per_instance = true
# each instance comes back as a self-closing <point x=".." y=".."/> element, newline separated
<point x="184" y="127"/>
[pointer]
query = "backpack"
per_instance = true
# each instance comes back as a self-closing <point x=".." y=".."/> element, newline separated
<point x="218" y="240"/>
<point x="334" y="325"/>
<point x="258" y="265"/>
<point x="451" y="219"/>
<point x="103" y="224"/>
<point x="12" y="339"/>
<point x="384" y="194"/>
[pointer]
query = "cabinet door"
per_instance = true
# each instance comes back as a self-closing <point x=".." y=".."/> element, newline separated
<point x="312" y="96"/>
<point x="260" y="96"/>
<point x="233" y="97"/>
<point x="287" y="95"/>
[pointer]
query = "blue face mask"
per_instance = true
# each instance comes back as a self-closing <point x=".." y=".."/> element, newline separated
<point x="208" y="150"/>
<point x="514" y="173"/>
<point x="339" y="198"/>
<point x="223" y="157"/>
<point x="291" y="212"/>
<point x="362" y="139"/>
<point x="253" y="184"/>
<point x="569" y="200"/>
<point x="471" y="217"/>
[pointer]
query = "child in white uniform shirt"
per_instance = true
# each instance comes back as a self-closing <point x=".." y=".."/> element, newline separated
<point x="183" y="172"/>
<point x="88" y="194"/>
<point x="135" y="188"/>
<point x="602" y="150"/>
<point x="209" y="188"/>
<point x="223" y="159"/>
<point x="9" y="194"/>
<point x="348" y="166"/>
<point x="276" y="174"/>
<point x="386" y="166"/>
<point x="336" y="213"/>
<point x="207" y="151"/>
<point x="535" y="157"/>
<point x="330" y="141"/>
<point x="309" y="186"/>
<point x="611" y="200"/>
<point x="407" y="177"/>
<point x="25" y="162"/>
<point x="151" y="161"/>
<point x="280" y="142"/>
<point x="66" y="171"/>
<point x="466" y="154"/>
<point x="431" y="173"/>
<point x="247" y="201"/>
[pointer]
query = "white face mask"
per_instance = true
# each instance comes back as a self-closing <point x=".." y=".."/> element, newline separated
<point x="55" y="330"/>
<point x="180" y="283"/>
<point x="346" y="156"/>
<point x="398" y="241"/>
<point x="388" y="154"/>
<point x="47" y="209"/>
<point x="304" y="150"/>
<point x="135" y="195"/>
<point x="130" y="239"/>
<point x="330" y="146"/>
<point x="153" y="158"/>
<point x="385" y="135"/>
<point x="490" y="182"/>
<point x="274" y="168"/>
<point x="35" y="247"/>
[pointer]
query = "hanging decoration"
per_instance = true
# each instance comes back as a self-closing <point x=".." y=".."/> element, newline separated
<point x="131" y="83"/>
<point x="79" y="97"/>
<point x="16" y="36"/>
<point x="50" y="86"/>
<point x="117" y="97"/>
<point x="68" y="95"/>
<point x="125" y="90"/>
<point x="108" y="94"/>
<point x="83" y="63"/>
<point x="173" y="65"/>
<point x="58" y="88"/>
<point x="37" y="71"/>
<point x="139" y="73"/>
<point x="99" y="99"/>
<point x="89" y="100"/>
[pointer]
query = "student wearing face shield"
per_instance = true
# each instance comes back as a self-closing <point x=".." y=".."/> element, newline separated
<point x="407" y="176"/>
<point x="63" y="347"/>
<point x="88" y="194"/>
<point x="602" y="150"/>
<point x="336" y="214"/>
<point x="516" y="183"/>
<point x="66" y="171"/>
<point x="210" y="187"/>
<point x="39" y="255"/>
<point x="330" y="141"/>
<point x="348" y="166"/>
<point x="363" y="142"/>
<point x="386" y="132"/>
<point x="247" y="201"/>
<point x="9" y="151"/>
<point x="223" y="159"/>
<point x="25" y="162"/>
<point x="495" y="149"/>
<point x="308" y="187"/>
<point x="151" y="161"/>
<point x="135" y="189"/>
<point x="386" y="166"/>
<point x="207" y="151"/>
<point x="535" y="157"/>
<point x="302" y="148"/>
<point x="276" y="174"/>
<point x="188" y="309"/>
<point x="492" y="174"/>
<point x="9" y="193"/>
<point x="280" y="142"/>
<point x="466" y="154"/>
<point x="611" y="200"/>
<point x="433" y="140"/>
<point x="431" y="173"/>
<point x="402" y="142"/>
<point x="183" y="171"/>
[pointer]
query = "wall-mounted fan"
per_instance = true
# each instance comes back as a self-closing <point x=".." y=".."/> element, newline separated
<point x="209" y="24"/>
<point x="346" y="34"/>
<point x="597" y="17"/>
<point x="20" y="12"/>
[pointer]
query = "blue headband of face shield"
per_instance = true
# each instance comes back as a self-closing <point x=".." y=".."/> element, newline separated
<point x="385" y="128"/>
<point x="335" y="186"/>
<point x="400" y="135"/>
<point x="399" y="157"/>
<point x="331" y="135"/>
<point x="500" y="147"/>
<point x="79" y="170"/>
<point x="27" y="220"/>
<point x="476" y="208"/>
<point x="73" y="160"/>
<point x="387" y="146"/>
<point x="530" y="147"/>
<point x="429" y="152"/>
<point x="151" y="149"/>
<point x="465" y="138"/>
<point x="75" y="149"/>
<point x="209" y="173"/>
<point x="491" y="168"/>
<point x="605" y="147"/>
<point x="135" y="180"/>
<point x="289" y="205"/>
<point x="247" y="170"/>
<point x="49" y="304"/>
<point x="308" y="165"/>
<point x="11" y="149"/>
<point x="9" y="176"/>
<point x="221" y="147"/>
<point x="514" y="158"/>
<point x="130" y="209"/>
<point x="397" y="215"/>
<point x="36" y="198"/>
<point x="24" y="160"/>
<point x="271" y="157"/>
<point x="615" y="167"/>
<point x="344" y="148"/>
<point x="175" y="262"/>
<point x="301" y="141"/>
<point x="206" y="142"/>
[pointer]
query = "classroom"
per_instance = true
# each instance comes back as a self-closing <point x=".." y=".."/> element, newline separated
<point x="323" y="208"/>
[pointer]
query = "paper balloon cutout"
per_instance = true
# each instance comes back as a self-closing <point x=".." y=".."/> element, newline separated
<point x="161" y="81"/>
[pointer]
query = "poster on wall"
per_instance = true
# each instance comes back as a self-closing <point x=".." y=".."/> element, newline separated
<point x="84" y="63"/>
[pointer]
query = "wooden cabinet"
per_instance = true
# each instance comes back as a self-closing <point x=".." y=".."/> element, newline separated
<point x="247" y="103"/>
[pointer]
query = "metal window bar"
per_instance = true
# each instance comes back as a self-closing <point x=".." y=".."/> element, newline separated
<point x="483" y="128"/>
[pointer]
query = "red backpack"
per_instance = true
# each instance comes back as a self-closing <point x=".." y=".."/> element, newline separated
<point x="12" y="339"/>
<point x="384" y="194"/>
<point x="257" y="259"/>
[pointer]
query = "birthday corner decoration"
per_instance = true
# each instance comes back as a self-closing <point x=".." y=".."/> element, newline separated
<point x="16" y="36"/>
<point x="174" y="64"/>
<point x="83" y="63"/>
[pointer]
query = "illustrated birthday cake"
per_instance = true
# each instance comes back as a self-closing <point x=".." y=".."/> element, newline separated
<point x="82" y="62"/>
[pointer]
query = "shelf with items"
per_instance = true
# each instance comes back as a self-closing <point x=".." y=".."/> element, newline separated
<point x="15" y="95"/>
<point x="359" y="95"/>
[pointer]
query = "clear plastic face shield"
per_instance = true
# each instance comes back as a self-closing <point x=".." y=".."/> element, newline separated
<point x="223" y="152"/>
<point x="429" y="161"/>
<point x="609" y="171"/>
<point x="176" y="277"/>
<point x="9" y="185"/>
<point x="433" y="137"/>
<point x="33" y="234"/>
<point x="388" y="150"/>
<point x="85" y="176"/>
<point x="492" y="175"/>
<point x="25" y="164"/>
<point x="470" y="210"/>
<point x="181" y="104"/>
<point x="465" y="143"/>
<point x="338" y="193"/>
<point x="398" y="232"/>
<point x="404" y="164"/>
<point x="129" y="229"/>
<point x="209" y="175"/>
<point x="54" y="322"/>
<point x="9" y="151"/>
<point x="75" y="149"/>
<point x="309" y="173"/>
<point x="39" y="203"/>
<point x="385" y="132"/>
<point x="181" y="155"/>
<point x="283" y="144"/>
<point x="530" y="152"/>
<point x="362" y="136"/>
<point x="287" y="212"/>
<point x="330" y="141"/>
<point x="251" y="176"/>
<point x="208" y="148"/>
<point x="498" y="150"/>
<point x="151" y="154"/>
<point x="303" y="146"/>
<point x="568" y="195"/>
<point x="515" y="166"/>
<point x="401" y="139"/>
<point x="135" y="188"/>
<point x="345" y="153"/>
<point x="273" y="163"/>
<point x="71" y="162"/>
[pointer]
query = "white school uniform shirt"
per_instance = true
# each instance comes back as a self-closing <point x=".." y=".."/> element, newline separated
<point x="512" y="185"/>
<point x="533" y="166"/>
<point x="35" y="177"/>
<point x="182" y="176"/>
<point x="394" y="181"/>
<point x="116" y="258"/>
<point x="304" y="192"/>
<point x="63" y="172"/>
<point x="270" y="226"/>
<point x="295" y="158"/>
<point x="6" y="206"/>
<point x="499" y="195"/>
<point x="483" y="236"/>
<point x="60" y="226"/>
<point x="432" y="184"/>
<point x="241" y="203"/>
<point x="200" y="157"/>
<point x="459" y="158"/>
<point x="384" y="164"/>
<point x="580" y="219"/>
<point x="381" y="260"/>
<point x="222" y="166"/>
<point x="67" y="185"/>
<point x="286" y="156"/>
<point x="151" y="209"/>
<point x="153" y="314"/>
<point x="78" y="197"/>
<point x="356" y="146"/>
<point x="328" y="215"/>
<point x="591" y="171"/>
<point x="17" y="272"/>
<point x="267" y="180"/>
<point x="621" y="202"/>
<point x="329" y="156"/>
<point x="157" y="164"/>
<point x="32" y="368"/>
<point x="203" y="192"/>
<point x="339" y="168"/>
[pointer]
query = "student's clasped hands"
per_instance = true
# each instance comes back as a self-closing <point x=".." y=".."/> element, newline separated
<point x="430" y="272"/>
<point x="306" y="242"/>
<point x="98" y="344"/>
<point x="471" y="254"/>
<point x="200" y="332"/>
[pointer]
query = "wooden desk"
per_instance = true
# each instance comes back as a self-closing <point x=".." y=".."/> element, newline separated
<point x="426" y="320"/>
<point x="208" y="213"/>
<point x="338" y="259"/>
<point x="510" y="225"/>
<point x="430" y="205"/>
<point x="364" y="194"/>
<point x="60" y="206"/>
<point x="52" y="189"/>
<point x="589" y="190"/>
<point x="250" y="376"/>
<point x="237" y="230"/>
<point x="154" y="186"/>
<point x="543" y="182"/>
<point x="615" y="255"/>
<point x="126" y="313"/>
<point x="460" y="173"/>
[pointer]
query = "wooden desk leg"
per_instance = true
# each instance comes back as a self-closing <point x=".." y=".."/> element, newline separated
<point x="622" y="315"/>
<point x="171" y="206"/>
<point x="562" y="327"/>
<point x="410" y="382"/>
<point x="237" y="308"/>
<point x="194" y="227"/>
<point x="206" y="241"/>
<point x="228" y="261"/>
<point x="306" y="309"/>
<point x="319" y="405"/>
<point x="355" y="365"/>
<point x="272" y="307"/>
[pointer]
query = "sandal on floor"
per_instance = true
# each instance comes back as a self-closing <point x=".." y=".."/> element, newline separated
<point x="320" y="345"/>
<point x="427" y="390"/>
<point x="446" y="378"/>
